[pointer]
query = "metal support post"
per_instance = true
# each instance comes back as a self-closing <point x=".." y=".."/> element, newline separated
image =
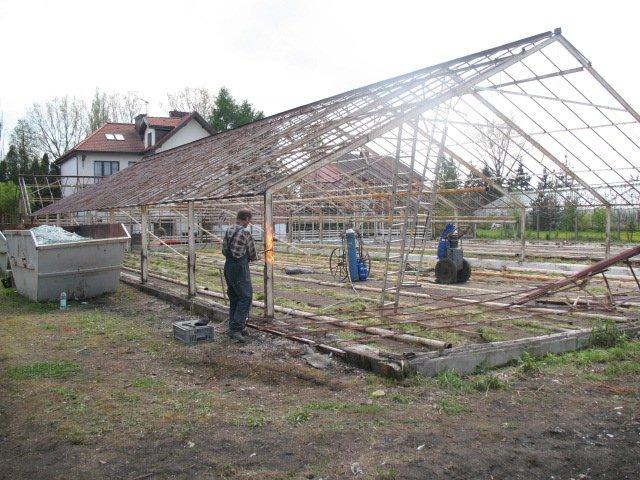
<point x="523" y="232"/>
<point x="321" y="229"/>
<point x="191" y="257"/>
<point x="607" y="244"/>
<point x="269" y="259"/>
<point x="144" y="244"/>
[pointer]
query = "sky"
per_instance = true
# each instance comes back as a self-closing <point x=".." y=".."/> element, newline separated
<point x="277" y="54"/>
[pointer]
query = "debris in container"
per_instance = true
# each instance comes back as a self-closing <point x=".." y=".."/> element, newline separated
<point x="48" y="235"/>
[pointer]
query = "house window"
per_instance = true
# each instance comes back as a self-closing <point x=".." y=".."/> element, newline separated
<point x="104" y="169"/>
<point x="149" y="139"/>
<point x="130" y="163"/>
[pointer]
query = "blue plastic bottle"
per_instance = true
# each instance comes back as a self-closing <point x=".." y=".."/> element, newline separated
<point x="63" y="301"/>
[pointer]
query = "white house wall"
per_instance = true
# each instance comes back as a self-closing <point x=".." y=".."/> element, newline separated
<point x="74" y="166"/>
<point x="188" y="133"/>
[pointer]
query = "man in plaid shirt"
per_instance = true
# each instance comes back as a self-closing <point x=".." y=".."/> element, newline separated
<point x="239" y="249"/>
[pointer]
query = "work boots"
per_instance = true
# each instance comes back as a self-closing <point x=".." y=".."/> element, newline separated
<point x="237" y="337"/>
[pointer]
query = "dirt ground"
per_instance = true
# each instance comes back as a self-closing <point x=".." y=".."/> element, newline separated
<point x="102" y="390"/>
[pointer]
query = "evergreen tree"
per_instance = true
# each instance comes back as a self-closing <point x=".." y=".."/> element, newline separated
<point x="45" y="165"/>
<point x="448" y="174"/>
<point x="545" y="206"/>
<point x="227" y="114"/>
<point x="4" y="174"/>
<point x="521" y="180"/>
<point x="12" y="161"/>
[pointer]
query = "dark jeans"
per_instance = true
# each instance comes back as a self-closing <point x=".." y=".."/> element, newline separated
<point x="239" y="291"/>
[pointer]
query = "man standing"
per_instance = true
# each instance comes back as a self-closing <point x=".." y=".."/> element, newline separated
<point x="239" y="249"/>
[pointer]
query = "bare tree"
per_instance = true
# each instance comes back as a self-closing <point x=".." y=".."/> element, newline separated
<point x="123" y="107"/>
<point x="114" y="107"/>
<point x="189" y="99"/>
<point x="501" y="154"/>
<point x="59" y="124"/>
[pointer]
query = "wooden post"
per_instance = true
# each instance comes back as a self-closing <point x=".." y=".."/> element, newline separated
<point x="269" y="259"/>
<point x="191" y="256"/>
<point x="112" y="216"/>
<point x="144" y="244"/>
<point x="607" y="245"/>
<point x="523" y="233"/>
<point x="58" y="222"/>
<point x="321" y="229"/>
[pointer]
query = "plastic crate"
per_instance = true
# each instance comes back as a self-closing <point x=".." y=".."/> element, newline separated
<point x="190" y="333"/>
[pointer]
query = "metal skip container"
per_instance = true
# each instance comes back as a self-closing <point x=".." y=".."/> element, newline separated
<point x="82" y="269"/>
<point x="4" y="257"/>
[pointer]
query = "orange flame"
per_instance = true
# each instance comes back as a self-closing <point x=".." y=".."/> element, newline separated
<point x="268" y="245"/>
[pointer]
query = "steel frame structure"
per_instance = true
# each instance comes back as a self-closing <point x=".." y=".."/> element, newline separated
<point x="553" y="118"/>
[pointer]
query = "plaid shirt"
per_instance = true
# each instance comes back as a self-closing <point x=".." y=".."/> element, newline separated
<point x="236" y="245"/>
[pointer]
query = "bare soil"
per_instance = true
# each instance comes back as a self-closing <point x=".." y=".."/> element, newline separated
<point x="142" y="405"/>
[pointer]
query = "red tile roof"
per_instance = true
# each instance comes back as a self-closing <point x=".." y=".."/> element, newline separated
<point x="132" y="143"/>
<point x="98" y="142"/>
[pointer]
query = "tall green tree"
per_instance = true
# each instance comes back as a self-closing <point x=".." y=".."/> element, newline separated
<point x="12" y="161"/>
<point x="4" y="174"/>
<point x="545" y="206"/>
<point x="9" y="199"/>
<point x="448" y="174"/>
<point x="229" y="114"/>
<point x="45" y="165"/>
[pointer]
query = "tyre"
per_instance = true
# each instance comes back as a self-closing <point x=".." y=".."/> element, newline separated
<point x="464" y="273"/>
<point x="446" y="271"/>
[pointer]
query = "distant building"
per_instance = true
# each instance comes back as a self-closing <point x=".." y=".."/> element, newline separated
<point x="115" y="146"/>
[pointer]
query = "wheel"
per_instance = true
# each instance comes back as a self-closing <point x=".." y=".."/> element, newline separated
<point x="464" y="273"/>
<point x="446" y="271"/>
<point x="338" y="263"/>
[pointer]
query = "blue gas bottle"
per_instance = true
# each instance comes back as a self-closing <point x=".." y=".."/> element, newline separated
<point x="363" y="270"/>
<point x="352" y="255"/>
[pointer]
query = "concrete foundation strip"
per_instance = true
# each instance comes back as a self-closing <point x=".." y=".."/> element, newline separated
<point x="460" y="359"/>
<point x="401" y="337"/>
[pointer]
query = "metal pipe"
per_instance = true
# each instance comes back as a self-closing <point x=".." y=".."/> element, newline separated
<point x="191" y="257"/>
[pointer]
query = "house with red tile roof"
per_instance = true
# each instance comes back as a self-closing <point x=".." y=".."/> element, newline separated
<point x="115" y="146"/>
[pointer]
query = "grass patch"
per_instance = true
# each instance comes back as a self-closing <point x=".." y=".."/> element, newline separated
<point x="451" y="406"/>
<point x="11" y="301"/>
<point x="622" y="359"/>
<point x="532" y="326"/>
<point x="95" y="323"/>
<point x="62" y="369"/>
<point x="489" y="334"/>
<point x="298" y="417"/>
<point x="529" y="364"/>
<point x="450" y="380"/>
<point x="484" y="383"/>
<point x="328" y="406"/>
<point x="400" y="398"/>
<point x="146" y="382"/>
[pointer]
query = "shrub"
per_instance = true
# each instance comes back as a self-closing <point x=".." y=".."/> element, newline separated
<point x="606" y="335"/>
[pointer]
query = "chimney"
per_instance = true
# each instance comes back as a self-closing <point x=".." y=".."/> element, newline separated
<point x="177" y="114"/>
<point x="138" y="121"/>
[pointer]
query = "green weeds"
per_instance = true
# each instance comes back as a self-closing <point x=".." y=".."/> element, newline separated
<point x="63" y="369"/>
